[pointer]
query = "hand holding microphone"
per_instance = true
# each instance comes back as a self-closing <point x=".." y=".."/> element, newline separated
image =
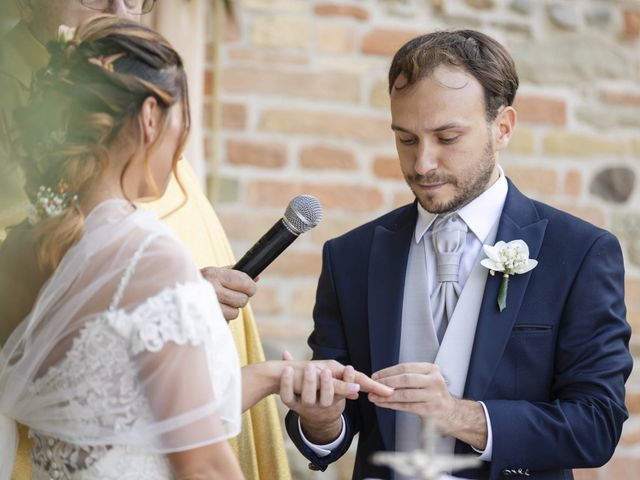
<point x="302" y="214"/>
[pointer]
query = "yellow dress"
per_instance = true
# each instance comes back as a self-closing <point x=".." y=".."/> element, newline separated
<point x="260" y="445"/>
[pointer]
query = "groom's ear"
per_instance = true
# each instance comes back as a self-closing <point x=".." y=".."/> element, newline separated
<point x="503" y="126"/>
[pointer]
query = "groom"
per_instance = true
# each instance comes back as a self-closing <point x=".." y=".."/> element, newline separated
<point x="535" y="388"/>
<point x="260" y="446"/>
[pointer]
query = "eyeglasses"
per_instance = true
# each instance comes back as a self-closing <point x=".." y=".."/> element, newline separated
<point x="135" y="7"/>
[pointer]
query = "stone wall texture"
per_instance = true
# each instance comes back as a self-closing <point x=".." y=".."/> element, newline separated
<point x="302" y="84"/>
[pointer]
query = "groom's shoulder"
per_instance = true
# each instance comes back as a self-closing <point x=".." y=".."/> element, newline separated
<point x="567" y="225"/>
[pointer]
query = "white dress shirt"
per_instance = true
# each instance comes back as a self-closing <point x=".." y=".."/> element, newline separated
<point x="480" y="215"/>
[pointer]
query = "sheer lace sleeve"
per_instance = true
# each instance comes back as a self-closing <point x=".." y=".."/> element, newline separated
<point x="126" y="345"/>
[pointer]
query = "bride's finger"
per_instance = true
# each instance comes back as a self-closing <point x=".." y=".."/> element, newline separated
<point x="287" y="394"/>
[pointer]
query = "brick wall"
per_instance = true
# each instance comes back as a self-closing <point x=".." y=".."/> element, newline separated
<point x="305" y="110"/>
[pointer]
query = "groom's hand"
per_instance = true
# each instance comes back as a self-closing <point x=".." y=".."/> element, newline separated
<point x="233" y="289"/>
<point x="421" y="388"/>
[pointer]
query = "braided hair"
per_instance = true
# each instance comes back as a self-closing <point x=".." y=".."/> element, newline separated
<point x="93" y="86"/>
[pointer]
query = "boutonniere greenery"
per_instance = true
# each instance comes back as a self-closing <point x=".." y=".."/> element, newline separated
<point x="509" y="259"/>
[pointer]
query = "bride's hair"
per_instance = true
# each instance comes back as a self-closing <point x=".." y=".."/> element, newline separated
<point x="93" y="86"/>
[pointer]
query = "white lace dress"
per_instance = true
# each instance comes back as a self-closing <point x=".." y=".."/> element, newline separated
<point x="125" y="357"/>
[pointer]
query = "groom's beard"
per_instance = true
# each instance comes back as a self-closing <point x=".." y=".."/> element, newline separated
<point x="468" y="185"/>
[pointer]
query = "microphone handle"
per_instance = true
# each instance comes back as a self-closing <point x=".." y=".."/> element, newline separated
<point x="265" y="250"/>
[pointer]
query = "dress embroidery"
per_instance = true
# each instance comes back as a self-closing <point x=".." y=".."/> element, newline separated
<point x="99" y="369"/>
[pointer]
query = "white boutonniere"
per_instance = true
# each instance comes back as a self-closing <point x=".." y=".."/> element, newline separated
<point x="509" y="258"/>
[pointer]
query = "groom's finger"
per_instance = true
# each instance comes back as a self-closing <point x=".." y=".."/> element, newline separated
<point x="402" y="368"/>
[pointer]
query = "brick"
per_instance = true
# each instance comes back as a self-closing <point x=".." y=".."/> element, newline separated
<point x="535" y="109"/>
<point x="403" y="197"/>
<point x="321" y="86"/>
<point x="631" y="24"/>
<point x="224" y="190"/>
<point x="280" y="331"/>
<point x="231" y="31"/>
<point x="590" y="213"/>
<point x="533" y="180"/>
<point x="319" y="157"/>
<point x="279" y="31"/>
<point x="573" y="183"/>
<point x="580" y="145"/>
<point x="386" y="42"/>
<point x="332" y="227"/>
<point x="247" y="225"/>
<point x="302" y="300"/>
<point x="286" y="6"/>
<point x="234" y="116"/>
<point x="296" y="263"/>
<point x="368" y="129"/>
<point x="259" y="154"/>
<point x="207" y="115"/>
<point x="481" y="4"/>
<point x="208" y="82"/>
<point x="632" y="289"/>
<point x="585" y="474"/>
<point x="379" y="97"/>
<point x="266" y="301"/>
<point x="630" y="438"/>
<point x="522" y="142"/>
<point x="332" y="9"/>
<point x="620" y="98"/>
<point x="632" y="401"/>
<point x="348" y="197"/>
<point x="633" y="317"/>
<point x="387" y="167"/>
<point x="335" y="39"/>
<point x="621" y="468"/>
<point x="210" y="52"/>
<point x="268" y="56"/>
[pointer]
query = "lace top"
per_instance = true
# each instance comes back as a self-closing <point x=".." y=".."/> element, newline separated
<point x="118" y="386"/>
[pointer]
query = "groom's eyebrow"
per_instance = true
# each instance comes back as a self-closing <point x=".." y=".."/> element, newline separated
<point x="441" y="128"/>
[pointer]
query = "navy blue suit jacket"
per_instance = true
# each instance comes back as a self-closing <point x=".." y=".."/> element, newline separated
<point x="550" y="368"/>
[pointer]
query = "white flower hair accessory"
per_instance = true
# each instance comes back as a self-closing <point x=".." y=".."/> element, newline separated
<point x="66" y="34"/>
<point x="509" y="259"/>
<point x="49" y="203"/>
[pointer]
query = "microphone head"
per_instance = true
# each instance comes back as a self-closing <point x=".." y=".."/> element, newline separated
<point x="303" y="213"/>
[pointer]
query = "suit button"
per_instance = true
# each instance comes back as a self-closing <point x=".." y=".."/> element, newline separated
<point x="314" y="467"/>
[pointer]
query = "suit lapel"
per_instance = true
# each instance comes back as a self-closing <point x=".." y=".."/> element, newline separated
<point x="519" y="220"/>
<point x="387" y="268"/>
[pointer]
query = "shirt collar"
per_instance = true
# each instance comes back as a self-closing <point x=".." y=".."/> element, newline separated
<point x="480" y="214"/>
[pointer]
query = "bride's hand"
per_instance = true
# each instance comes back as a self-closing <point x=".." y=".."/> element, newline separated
<point x="317" y="390"/>
<point x="262" y="379"/>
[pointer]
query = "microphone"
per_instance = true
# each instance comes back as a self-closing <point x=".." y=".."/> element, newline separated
<point x="302" y="214"/>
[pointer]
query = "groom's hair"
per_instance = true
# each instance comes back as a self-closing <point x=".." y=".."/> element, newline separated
<point x="476" y="53"/>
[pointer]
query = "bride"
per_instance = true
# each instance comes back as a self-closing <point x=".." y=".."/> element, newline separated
<point x="124" y="367"/>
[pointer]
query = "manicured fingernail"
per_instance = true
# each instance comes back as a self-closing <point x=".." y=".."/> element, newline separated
<point x="354" y="387"/>
<point x="374" y="376"/>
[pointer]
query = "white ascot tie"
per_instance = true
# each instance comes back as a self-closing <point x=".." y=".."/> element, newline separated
<point x="449" y="237"/>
